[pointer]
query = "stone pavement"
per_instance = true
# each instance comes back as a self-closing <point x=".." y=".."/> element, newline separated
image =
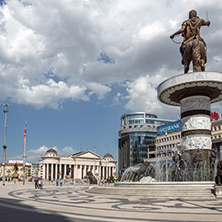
<point x="20" y="202"/>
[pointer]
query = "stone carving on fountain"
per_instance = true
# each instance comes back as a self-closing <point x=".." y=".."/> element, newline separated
<point x="199" y="122"/>
<point x="195" y="103"/>
<point x="196" y="142"/>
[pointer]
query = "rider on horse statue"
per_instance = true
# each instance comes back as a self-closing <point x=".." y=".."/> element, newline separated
<point x="193" y="47"/>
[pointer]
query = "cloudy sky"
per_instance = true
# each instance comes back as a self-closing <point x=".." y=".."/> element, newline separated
<point x="71" y="68"/>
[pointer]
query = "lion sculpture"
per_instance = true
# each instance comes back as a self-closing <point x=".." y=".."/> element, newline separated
<point x="140" y="171"/>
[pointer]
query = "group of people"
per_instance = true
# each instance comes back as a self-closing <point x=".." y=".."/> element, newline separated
<point x="59" y="182"/>
<point x="38" y="184"/>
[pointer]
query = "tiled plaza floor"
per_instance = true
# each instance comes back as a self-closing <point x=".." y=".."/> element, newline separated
<point x="20" y="202"/>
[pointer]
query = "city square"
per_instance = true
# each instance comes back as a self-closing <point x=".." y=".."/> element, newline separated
<point x="135" y="126"/>
<point x="72" y="203"/>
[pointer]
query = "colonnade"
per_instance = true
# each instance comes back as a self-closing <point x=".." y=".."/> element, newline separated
<point x="53" y="171"/>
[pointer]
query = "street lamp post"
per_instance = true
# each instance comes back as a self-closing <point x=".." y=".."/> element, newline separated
<point x="95" y="162"/>
<point x="4" y="146"/>
<point x="165" y="129"/>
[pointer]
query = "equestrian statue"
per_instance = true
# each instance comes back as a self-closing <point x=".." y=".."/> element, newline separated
<point x="193" y="47"/>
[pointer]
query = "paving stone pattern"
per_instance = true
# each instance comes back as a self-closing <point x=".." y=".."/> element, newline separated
<point x="20" y="202"/>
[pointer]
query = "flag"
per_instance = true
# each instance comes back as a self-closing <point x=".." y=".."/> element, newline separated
<point x="25" y="134"/>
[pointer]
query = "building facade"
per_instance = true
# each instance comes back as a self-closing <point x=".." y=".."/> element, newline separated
<point x="10" y="170"/>
<point x="216" y="136"/>
<point x="37" y="170"/>
<point x="137" y="133"/>
<point x="77" y="165"/>
<point x="167" y="141"/>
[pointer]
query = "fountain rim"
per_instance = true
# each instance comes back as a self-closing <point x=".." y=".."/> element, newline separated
<point x="169" y="183"/>
<point x="168" y="88"/>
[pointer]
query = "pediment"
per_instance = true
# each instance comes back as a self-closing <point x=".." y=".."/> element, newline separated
<point x="86" y="154"/>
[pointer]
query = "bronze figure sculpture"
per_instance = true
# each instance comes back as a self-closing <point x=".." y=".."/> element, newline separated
<point x="218" y="179"/>
<point x="193" y="47"/>
<point x="91" y="177"/>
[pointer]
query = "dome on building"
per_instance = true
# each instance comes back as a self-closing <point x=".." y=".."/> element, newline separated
<point x="108" y="156"/>
<point x="51" y="152"/>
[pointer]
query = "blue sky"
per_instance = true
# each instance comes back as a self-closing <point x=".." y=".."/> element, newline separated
<point x="72" y="68"/>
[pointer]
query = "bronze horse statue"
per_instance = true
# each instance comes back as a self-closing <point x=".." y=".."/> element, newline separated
<point x="193" y="47"/>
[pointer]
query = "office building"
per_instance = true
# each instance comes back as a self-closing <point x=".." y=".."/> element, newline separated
<point x="137" y="133"/>
<point x="168" y="141"/>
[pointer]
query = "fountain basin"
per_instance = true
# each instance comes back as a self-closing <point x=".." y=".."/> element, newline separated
<point x="200" y="189"/>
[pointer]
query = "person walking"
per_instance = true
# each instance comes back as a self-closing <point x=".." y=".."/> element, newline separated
<point x="36" y="184"/>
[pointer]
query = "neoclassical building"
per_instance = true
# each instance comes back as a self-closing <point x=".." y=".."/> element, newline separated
<point x="77" y="165"/>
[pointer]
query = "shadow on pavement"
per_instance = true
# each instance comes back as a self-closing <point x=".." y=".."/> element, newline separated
<point x="13" y="210"/>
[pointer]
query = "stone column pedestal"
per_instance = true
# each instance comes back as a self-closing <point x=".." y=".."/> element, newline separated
<point x="193" y="92"/>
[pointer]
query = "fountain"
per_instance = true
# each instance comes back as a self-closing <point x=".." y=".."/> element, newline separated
<point x="193" y="92"/>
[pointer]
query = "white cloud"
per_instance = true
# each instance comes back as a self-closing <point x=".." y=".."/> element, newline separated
<point x="142" y="96"/>
<point x="34" y="156"/>
<point x="51" y="94"/>
<point x="98" y="89"/>
<point x="68" y="38"/>
<point x="66" y="151"/>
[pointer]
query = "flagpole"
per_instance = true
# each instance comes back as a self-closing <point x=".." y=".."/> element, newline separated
<point x="24" y="153"/>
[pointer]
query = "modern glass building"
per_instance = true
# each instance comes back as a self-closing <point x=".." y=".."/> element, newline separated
<point x="136" y="135"/>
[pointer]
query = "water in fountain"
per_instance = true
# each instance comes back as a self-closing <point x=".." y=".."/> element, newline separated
<point x="128" y="173"/>
<point x="180" y="170"/>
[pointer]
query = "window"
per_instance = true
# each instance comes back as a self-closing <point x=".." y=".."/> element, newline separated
<point x="136" y="116"/>
<point x="219" y="127"/>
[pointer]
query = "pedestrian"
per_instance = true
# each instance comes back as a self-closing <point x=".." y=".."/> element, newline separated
<point x="36" y="184"/>
<point x="57" y="182"/>
<point x="60" y="182"/>
<point x="40" y="184"/>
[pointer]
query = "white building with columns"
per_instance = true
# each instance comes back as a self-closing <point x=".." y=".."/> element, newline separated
<point x="77" y="165"/>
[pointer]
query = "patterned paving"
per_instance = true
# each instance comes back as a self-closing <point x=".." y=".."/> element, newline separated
<point x="72" y="203"/>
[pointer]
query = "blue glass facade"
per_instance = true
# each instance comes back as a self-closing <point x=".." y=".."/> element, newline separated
<point x="137" y="133"/>
<point x="140" y="143"/>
